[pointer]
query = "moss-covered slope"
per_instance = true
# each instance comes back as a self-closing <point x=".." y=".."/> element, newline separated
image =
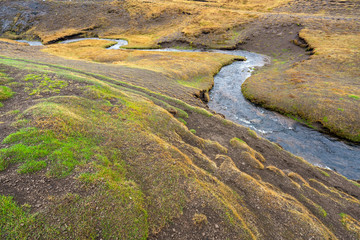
<point x="84" y="158"/>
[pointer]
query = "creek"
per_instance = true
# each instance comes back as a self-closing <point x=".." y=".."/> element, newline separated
<point x="317" y="148"/>
<point x="226" y="98"/>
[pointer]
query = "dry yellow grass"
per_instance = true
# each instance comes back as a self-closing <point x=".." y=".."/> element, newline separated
<point x="13" y="42"/>
<point x="189" y="68"/>
<point x="53" y="36"/>
<point x="249" y="159"/>
<point x="276" y="170"/>
<point x="323" y="89"/>
<point x="217" y="23"/>
<point x="299" y="179"/>
<point x="351" y="224"/>
<point x="146" y="41"/>
<point x="248" y="154"/>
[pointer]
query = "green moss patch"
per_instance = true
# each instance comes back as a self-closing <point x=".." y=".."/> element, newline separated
<point x="13" y="219"/>
<point x="31" y="145"/>
<point x="5" y="93"/>
<point x="38" y="84"/>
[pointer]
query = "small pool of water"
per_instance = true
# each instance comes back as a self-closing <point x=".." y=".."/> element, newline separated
<point x="119" y="42"/>
<point x="31" y="43"/>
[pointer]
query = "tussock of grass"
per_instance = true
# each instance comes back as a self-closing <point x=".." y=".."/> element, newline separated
<point x="355" y="183"/>
<point x="296" y="177"/>
<point x="200" y="219"/>
<point x="316" y="207"/>
<point x="5" y="93"/>
<point x="215" y="145"/>
<point x="251" y="160"/>
<point x="354" y="96"/>
<point x="252" y="133"/>
<point x="323" y="172"/>
<point x="182" y="121"/>
<point x="276" y="170"/>
<point x="4" y="78"/>
<point x="249" y="155"/>
<point x="350" y="224"/>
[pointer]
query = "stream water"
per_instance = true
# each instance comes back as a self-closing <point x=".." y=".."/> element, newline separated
<point x="319" y="149"/>
<point x="119" y="42"/>
<point x="226" y="98"/>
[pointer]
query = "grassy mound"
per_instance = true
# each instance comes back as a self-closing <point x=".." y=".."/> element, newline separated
<point x="323" y="89"/>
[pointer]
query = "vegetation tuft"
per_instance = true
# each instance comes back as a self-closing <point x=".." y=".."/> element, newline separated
<point x="36" y="84"/>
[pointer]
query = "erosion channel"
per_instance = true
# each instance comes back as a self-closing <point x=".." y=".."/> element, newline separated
<point x="226" y="98"/>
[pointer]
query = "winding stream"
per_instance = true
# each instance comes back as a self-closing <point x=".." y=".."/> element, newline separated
<point x="226" y="98"/>
<point x="319" y="149"/>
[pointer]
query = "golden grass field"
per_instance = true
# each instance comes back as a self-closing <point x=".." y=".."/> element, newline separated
<point x="189" y="68"/>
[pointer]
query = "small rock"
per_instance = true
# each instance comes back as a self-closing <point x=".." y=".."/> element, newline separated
<point x="174" y="230"/>
<point x="216" y="226"/>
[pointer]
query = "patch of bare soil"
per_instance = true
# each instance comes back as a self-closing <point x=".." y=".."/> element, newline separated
<point x="272" y="35"/>
<point x="37" y="190"/>
<point x="187" y="226"/>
